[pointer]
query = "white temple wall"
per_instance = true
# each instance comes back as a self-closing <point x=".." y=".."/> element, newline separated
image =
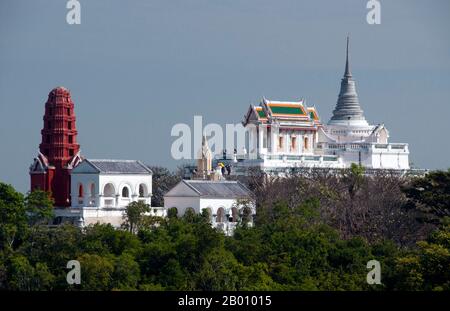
<point x="93" y="216"/>
<point x="182" y="203"/>
<point x="88" y="182"/>
<point x="198" y="204"/>
<point x="97" y="182"/>
<point x="404" y="161"/>
<point x="215" y="204"/>
<point x="351" y="157"/>
<point x="390" y="161"/>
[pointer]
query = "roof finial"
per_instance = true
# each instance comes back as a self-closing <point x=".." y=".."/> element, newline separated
<point x="347" y="65"/>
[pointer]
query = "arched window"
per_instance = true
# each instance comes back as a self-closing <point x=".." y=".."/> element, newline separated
<point x="172" y="212"/>
<point x="280" y="143"/>
<point x="246" y="214"/>
<point x="306" y="143"/>
<point x="189" y="213"/>
<point x="109" y="190"/>
<point x="207" y="213"/>
<point x="293" y="143"/>
<point x="234" y="214"/>
<point x="142" y="190"/>
<point x="220" y="215"/>
<point x="92" y="194"/>
<point x="80" y="194"/>
<point x="125" y="192"/>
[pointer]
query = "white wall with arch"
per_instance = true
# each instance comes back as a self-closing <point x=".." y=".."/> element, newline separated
<point x="109" y="190"/>
<point x="198" y="204"/>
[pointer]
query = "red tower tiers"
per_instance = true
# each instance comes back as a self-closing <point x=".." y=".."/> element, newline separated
<point x="59" y="150"/>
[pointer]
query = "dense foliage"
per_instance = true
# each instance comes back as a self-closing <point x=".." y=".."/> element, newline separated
<point x="300" y="241"/>
<point x="163" y="180"/>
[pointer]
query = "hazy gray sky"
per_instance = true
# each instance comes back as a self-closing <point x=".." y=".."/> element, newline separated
<point x="136" y="68"/>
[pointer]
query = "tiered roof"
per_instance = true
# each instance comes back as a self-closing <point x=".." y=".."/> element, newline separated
<point x="289" y="111"/>
<point x="286" y="109"/>
<point x="261" y="114"/>
<point x="348" y="110"/>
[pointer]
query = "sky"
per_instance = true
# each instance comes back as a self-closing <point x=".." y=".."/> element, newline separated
<point x="136" y="68"/>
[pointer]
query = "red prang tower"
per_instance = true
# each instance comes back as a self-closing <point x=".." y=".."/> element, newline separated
<point x="59" y="151"/>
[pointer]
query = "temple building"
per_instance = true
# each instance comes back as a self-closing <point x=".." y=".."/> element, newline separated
<point x="282" y="136"/>
<point x="226" y="203"/>
<point x="85" y="191"/>
<point x="289" y="134"/>
<point x="350" y="136"/>
<point x="59" y="151"/>
<point x="102" y="189"/>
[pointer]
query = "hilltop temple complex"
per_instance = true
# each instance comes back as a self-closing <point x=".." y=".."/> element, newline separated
<point x="289" y="134"/>
<point x="283" y="136"/>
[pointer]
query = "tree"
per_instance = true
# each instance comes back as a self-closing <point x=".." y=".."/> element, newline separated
<point x="245" y="206"/>
<point x="103" y="239"/>
<point x="23" y="276"/>
<point x="372" y="207"/>
<point x="172" y="212"/>
<point x="425" y="267"/>
<point x="13" y="219"/>
<point x="189" y="215"/>
<point x="354" y="177"/>
<point x="134" y="216"/>
<point x="20" y="274"/>
<point x="220" y="272"/>
<point x="54" y="246"/>
<point x="431" y="195"/>
<point x="39" y="207"/>
<point x="300" y="241"/>
<point x="126" y="273"/>
<point x="96" y="272"/>
<point x="163" y="181"/>
<point x="173" y="276"/>
<point x="247" y="245"/>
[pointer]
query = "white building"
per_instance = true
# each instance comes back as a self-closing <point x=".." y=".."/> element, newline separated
<point x="227" y="202"/>
<point x="101" y="190"/>
<point x="286" y="134"/>
<point x="353" y="139"/>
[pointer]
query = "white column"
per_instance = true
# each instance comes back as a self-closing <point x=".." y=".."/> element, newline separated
<point x="86" y="194"/>
<point x="287" y="146"/>
<point x="301" y="138"/>
<point x="261" y="131"/>
<point x="134" y="197"/>
<point x="274" y="133"/>
<point x="252" y="140"/>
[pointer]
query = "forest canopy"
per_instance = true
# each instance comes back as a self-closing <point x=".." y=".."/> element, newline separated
<point x="312" y="232"/>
